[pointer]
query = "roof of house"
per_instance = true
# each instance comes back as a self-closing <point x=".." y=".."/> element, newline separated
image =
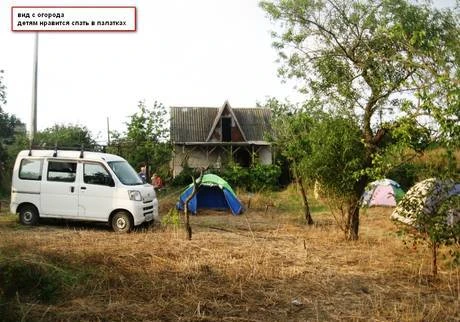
<point x="195" y="124"/>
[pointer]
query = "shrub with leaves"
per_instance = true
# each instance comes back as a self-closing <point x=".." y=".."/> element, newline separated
<point x="430" y="213"/>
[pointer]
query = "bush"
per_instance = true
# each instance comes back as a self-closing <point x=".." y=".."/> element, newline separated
<point x="185" y="177"/>
<point x="256" y="178"/>
<point x="407" y="174"/>
<point x="235" y="175"/>
<point x="263" y="177"/>
<point x="172" y="218"/>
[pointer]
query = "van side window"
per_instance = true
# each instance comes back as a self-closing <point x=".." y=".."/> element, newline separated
<point x="95" y="173"/>
<point x="62" y="171"/>
<point x="31" y="169"/>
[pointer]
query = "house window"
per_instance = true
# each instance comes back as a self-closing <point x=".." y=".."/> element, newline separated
<point x="226" y="129"/>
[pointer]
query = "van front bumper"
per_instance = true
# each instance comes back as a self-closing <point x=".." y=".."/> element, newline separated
<point x="145" y="212"/>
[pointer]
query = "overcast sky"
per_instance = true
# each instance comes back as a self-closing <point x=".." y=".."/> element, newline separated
<point x="185" y="52"/>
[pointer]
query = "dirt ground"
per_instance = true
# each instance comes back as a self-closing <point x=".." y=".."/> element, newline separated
<point x="265" y="265"/>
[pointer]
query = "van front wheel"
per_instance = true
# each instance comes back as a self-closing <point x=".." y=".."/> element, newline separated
<point x="28" y="215"/>
<point x="121" y="222"/>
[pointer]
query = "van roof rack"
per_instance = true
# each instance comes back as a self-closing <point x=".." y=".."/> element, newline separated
<point x="56" y="148"/>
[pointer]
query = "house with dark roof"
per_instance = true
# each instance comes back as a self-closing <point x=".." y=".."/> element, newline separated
<point x="211" y="136"/>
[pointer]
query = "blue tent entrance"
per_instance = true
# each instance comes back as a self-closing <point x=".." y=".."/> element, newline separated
<point x="214" y="193"/>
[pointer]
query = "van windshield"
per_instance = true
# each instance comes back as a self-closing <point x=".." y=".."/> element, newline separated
<point x="125" y="172"/>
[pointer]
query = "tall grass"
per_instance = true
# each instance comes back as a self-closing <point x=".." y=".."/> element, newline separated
<point x="262" y="266"/>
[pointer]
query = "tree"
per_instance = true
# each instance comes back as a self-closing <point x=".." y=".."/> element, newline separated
<point x="366" y="59"/>
<point x="321" y="147"/>
<point x="429" y="214"/>
<point x="146" y="140"/>
<point x="290" y="127"/>
<point x="65" y="136"/>
<point x="8" y="123"/>
<point x="10" y="128"/>
<point x="335" y="157"/>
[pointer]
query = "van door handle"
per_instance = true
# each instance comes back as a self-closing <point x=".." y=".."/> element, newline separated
<point x="72" y="189"/>
<point x="83" y="188"/>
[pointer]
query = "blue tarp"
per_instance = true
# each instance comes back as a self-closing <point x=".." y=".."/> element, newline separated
<point x="211" y="196"/>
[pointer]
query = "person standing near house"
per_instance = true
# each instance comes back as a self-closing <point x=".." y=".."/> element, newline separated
<point x="143" y="174"/>
<point x="157" y="183"/>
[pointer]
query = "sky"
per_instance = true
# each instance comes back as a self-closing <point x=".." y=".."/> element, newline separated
<point x="184" y="53"/>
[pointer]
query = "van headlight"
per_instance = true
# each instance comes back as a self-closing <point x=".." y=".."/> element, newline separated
<point x="135" y="195"/>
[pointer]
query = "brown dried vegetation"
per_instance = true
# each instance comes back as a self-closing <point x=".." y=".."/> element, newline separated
<point x="262" y="266"/>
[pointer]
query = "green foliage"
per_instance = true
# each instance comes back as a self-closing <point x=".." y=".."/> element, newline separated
<point x="146" y="140"/>
<point x="407" y="174"/>
<point x="336" y="154"/>
<point x="172" y="218"/>
<point x="69" y="136"/>
<point x="235" y="175"/>
<point x="355" y="59"/>
<point x="2" y="89"/>
<point x="11" y="133"/>
<point x="185" y="177"/>
<point x="263" y="177"/>
<point x="320" y="147"/>
<point x="444" y="226"/>
<point x="435" y="215"/>
<point x="256" y="178"/>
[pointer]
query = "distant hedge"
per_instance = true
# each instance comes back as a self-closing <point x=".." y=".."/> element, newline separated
<point x="255" y="178"/>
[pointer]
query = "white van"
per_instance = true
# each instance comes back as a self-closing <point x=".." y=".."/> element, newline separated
<point x="80" y="185"/>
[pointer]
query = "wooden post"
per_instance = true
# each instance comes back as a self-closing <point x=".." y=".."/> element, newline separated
<point x="196" y="186"/>
<point x="435" y="259"/>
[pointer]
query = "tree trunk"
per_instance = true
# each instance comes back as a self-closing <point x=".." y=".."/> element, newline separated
<point x="303" y="192"/>
<point x="306" y="206"/>
<point x="434" y="267"/>
<point x="352" y="227"/>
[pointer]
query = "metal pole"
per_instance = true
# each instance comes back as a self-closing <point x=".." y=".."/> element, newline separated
<point x="108" y="131"/>
<point x="33" y="118"/>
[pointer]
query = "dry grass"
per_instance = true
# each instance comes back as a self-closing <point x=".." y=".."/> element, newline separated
<point x="436" y="158"/>
<point x="262" y="266"/>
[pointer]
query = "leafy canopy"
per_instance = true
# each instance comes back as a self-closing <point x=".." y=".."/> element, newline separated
<point x="65" y="136"/>
<point x="386" y="70"/>
<point x="365" y="57"/>
<point x="146" y="140"/>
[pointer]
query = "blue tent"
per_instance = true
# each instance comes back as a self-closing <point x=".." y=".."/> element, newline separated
<point x="214" y="193"/>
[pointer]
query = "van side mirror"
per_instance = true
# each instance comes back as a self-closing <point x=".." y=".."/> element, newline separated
<point x="111" y="182"/>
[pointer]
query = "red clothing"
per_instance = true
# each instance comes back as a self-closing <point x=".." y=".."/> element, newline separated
<point x="157" y="182"/>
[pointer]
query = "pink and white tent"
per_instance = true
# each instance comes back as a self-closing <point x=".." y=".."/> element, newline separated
<point x="385" y="192"/>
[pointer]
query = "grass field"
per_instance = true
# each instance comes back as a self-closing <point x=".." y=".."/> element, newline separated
<point x="265" y="265"/>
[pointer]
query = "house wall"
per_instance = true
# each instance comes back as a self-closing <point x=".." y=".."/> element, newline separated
<point x="265" y="155"/>
<point x="196" y="158"/>
<point x="212" y="157"/>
